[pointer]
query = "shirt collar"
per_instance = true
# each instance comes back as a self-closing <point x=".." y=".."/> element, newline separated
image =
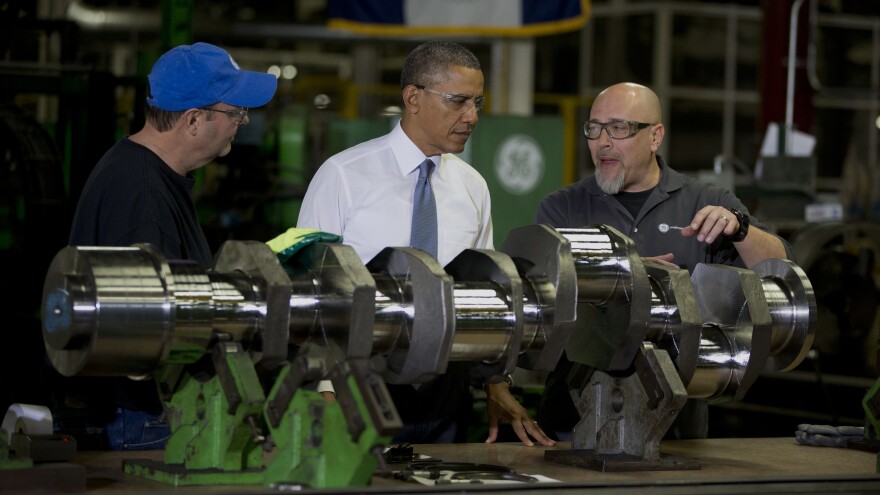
<point x="408" y="155"/>
<point x="670" y="180"/>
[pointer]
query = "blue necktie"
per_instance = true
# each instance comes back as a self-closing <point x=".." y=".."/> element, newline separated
<point x="423" y="233"/>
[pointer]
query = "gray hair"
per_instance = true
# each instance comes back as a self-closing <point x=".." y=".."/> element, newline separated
<point x="429" y="62"/>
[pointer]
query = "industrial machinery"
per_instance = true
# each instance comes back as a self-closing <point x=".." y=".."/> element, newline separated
<point x="236" y="350"/>
<point x="707" y="338"/>
<point x="214" y="338"/>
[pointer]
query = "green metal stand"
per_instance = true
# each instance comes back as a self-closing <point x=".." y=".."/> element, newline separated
<point x="218" y="422"/>
<point x="324" y="445"/>
<point x="215" y="437"/>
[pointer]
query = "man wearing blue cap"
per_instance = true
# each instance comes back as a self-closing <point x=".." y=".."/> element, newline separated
<point x="139" y="192"/>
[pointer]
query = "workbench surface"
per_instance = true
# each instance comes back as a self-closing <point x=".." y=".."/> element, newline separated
<point x="730" y="465"/>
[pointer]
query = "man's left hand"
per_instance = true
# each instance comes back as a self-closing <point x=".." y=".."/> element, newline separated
<point x="502" y="406"/>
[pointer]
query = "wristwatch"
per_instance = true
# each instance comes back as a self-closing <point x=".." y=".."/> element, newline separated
<point x="743" y="231"/>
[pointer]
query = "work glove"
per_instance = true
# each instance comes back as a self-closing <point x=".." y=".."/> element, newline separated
<point x="294" y="239"/>
<point x="828" y="436"/>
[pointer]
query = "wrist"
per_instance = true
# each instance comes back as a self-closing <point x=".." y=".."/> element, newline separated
<point x="743" y="226"/>
<point x="506" y="379"/>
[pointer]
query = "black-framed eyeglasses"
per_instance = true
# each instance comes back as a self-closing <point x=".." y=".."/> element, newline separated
<point x="617" y="129"/>
<point x="458" y="103"/>
<point x="237" y="116"/>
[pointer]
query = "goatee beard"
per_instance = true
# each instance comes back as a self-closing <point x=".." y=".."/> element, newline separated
<point x="613" y="185"/>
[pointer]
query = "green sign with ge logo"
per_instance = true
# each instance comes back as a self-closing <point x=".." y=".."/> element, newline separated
<point x="521" y="159"/>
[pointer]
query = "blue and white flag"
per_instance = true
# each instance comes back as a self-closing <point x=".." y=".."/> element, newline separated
<point x="458" y="17"/>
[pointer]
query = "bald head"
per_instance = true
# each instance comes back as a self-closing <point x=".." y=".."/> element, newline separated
<point x="634" y="101"/>
<point x="626" y="163"/>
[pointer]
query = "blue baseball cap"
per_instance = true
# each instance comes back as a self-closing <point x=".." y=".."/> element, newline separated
<point x="198" y="75"/>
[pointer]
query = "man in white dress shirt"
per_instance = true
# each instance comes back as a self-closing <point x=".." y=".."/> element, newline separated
<point x="365" y="194"/>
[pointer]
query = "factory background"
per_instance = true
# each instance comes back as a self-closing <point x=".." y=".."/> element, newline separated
<point x="73" y="76"/>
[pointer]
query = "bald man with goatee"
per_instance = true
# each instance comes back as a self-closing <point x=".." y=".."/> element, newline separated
<point x="673" y="219"/>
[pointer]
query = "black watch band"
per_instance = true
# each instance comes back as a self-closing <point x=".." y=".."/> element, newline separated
<point x="743" y="231"/>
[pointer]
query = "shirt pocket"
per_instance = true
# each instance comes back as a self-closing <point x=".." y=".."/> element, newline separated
<point x="463" y="236"/>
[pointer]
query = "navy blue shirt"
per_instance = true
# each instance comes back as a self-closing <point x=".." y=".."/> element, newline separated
<point x="131" y="197"/>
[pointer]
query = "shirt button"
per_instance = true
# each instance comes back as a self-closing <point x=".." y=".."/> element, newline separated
<point x="635" y="230"/>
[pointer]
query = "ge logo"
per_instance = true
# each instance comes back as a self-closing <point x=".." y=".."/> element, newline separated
<point x="519" y="164"/>
<point x="665" y="227"/>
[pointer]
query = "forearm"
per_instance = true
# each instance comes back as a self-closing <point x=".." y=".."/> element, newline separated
<point x="758" y="246"/>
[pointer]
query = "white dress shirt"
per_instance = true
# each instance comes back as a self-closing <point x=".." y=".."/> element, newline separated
<point x="365" y="194"/>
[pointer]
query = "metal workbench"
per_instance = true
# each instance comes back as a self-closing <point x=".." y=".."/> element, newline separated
<point x="728" y="466"/>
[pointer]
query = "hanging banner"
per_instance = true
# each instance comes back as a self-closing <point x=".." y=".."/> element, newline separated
<point x="458" y="17"/>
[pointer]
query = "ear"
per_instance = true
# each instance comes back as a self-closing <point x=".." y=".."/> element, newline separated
<point x="657" y="134"/>
<point x="192" y="119"/>
<point x="411" y="96"/>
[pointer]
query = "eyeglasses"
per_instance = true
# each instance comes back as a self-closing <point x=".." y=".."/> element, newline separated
<point x="617" y="129"/>
<point x="237" y="116"/>
<point x="458" y="103"/>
